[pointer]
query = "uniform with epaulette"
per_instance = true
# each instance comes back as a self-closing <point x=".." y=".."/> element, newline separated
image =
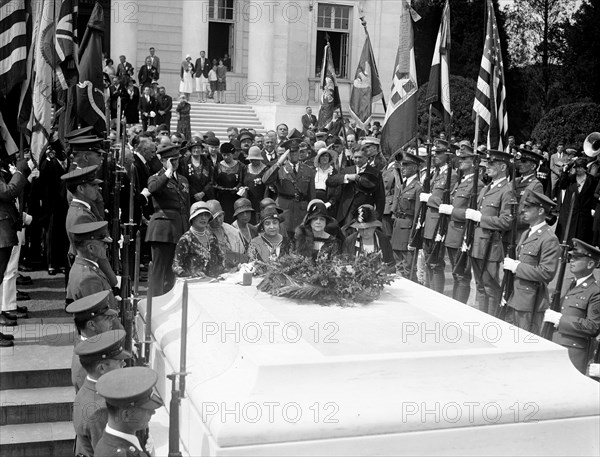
<point x="89" y="409"/>
<point x="493" y="218"/>
<point x="535" y="266"/>
<point x="128" y="389"/>
<point x="578" y="323"/>
<point x="460" y="200"/>
<point x="526" y="184"/>
<point x="405" y="207"/>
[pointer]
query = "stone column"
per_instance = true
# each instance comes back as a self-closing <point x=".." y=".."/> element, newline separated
<point x="261" y="87"/>
<point x="194" y="28"/>
<point x="123" y="32"/>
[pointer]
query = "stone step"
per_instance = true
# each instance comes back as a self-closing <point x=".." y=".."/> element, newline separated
<point x="40" y="439"/>
<point x="28" y="406"/>
<point x="210" y="118"/>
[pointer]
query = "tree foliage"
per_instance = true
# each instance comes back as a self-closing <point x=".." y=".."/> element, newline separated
<point x="570" y="123"/>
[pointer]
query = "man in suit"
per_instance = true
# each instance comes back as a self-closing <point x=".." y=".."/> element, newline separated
<point x="202" y="67"/>
<point x="557" y="161"/>
<point x="130" y="403"/>
<point x="442" y="162"/>
<point x="492" y="218"/>
<point x="405" y="206"/>
<point x="130" y="103"/>
<point x="147" y="74"/>
<point x="147" y="108"/>
<point x="171" y="200"/>
<point x="97" y="356"/>
<point x="154" y="59"/>
<point x="268" y="152"/>
<point x="124" y="70"/>
<point x="578" y="323"/>
<point x="535" y="266"/>
<point x="309" y="121"/>
<point x="295" y="184"/>
<point x="460" y="197"/>
<point x="361" y="185"/>
<point x="164" y="105"/>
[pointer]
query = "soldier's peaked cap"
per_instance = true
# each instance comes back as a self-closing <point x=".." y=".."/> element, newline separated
<point x="83" y="131"/>
<point x="105" y="346"/>
<point x="292" y="144"/>
<point x="498" y="156"/>
<point x="130" y="387"/>
<point x="168" y="151"/>
<point x="91" y="231"/>
<point x="93" y="305"/>
<point x="538" y="199"/>
<point x="582" y="248"/>
<point x="443" y="146"/>
<point x="86" y="143"/>
<point x="408" y="158"/>
<point x="86" y="175"/>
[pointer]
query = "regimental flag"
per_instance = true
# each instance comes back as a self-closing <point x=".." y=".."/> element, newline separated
<point x="330" y="99"/>
<point x="366" y="88"/>
<point x="8" y="143"/>
<point x="66" y="45"/>
<point x="90" y="89"/>
<point x="438" y="88"/>
<point x="490" y="94"/>
<point x="400" y="124"/>
<point x="13" y="44"/>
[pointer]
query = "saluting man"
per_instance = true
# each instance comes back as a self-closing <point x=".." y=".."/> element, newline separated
<point x="578" y="323"/>
<point x="461" y="197"/>
<point x="535" y="266"/>
<point x="493" y="218"/>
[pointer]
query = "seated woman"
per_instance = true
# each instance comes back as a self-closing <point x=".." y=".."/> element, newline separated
<point x="229" y="238"/>
<point x="312" y="240"/>
<point x="198" y="253"/>
<point x="367" y="237"/>
<point x="270" y="243"/>
<point x="242" y="211"/>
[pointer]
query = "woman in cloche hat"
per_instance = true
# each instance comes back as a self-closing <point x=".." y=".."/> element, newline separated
<point x="324" y="168"/>
<point x="253" y="182"/>
<point x="311" y="238"/>
<point x="270" y="243"/>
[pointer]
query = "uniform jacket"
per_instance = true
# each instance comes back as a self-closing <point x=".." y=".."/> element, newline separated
<point x="293" y="192"/>
<point x="461" y="196"/>
<point x="89" y="418"/>
<point x="79" y="213"/>
<point x="85" y="278"/>
<point x="494" y="204"/>
<point x="10" y="217"/>
<point x="78" y="373"/>
<point x="580" y="321"/>
<point x="524" y="186"/>
<point x="438" y="185"/>
<point x="171" y="200"/>
<point x="391" y="185"/>
<point x="112" y="446"/>
<point x="405" y="207"/>
<point x="538" y="254"/>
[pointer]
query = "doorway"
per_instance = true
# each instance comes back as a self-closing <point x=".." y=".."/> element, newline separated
<point x="220" y="41"/>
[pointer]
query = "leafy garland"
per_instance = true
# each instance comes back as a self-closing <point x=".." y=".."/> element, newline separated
<point x="327" y="281"/>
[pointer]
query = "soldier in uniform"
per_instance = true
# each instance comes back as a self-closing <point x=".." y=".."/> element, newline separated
<point x="295" y="184"/>
<point x="130" y="402"/>
<point x="493" y="217"/>
<point x="405" y="208"/>
<point x="97" y="356"/>
<point x="93" y="316"/>
<point x="535" y="266"/>
<point x="171" y="200"/>
<point x="461" y="197"/>
<point x="392" y="181"/>
<point x="578" y="323"/>
<point x="526" y="163"/>
<point x="442" y="162"/>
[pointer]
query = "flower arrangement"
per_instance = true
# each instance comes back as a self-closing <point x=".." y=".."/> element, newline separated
<point x="327" y="281"/>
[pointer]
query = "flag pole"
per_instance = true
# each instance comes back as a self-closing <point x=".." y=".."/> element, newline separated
<point x="364" y="24"/>
<point x="327" y="51"/>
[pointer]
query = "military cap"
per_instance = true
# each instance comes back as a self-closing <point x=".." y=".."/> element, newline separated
<point x="245" y="135"/>
<point x="79" y="132"/>
<point x="236" y="144"/>
<point x="85" y="175"/>
<point x="444" y="147"/>
<point x="130" y="387"/>
<point x="91" y="231"/>
<point x="88" y="143"/>
<point x="105" y="346"/>
<point x="538" y="199"/>
<point x="370" y="140"/>
<point x="93" y="305"/>
<point x="466" y="151"/>
<point x="572" y="150"/>
<point x="583" y="249"/>
<point x="227" y="148"/>
<point x="410" y="159"/>
<point x="292" y="144"/>
<point x="303" y="145"/>
<point x="526" y="153"/>
<point x="322" y="133"/>
<point x="162" y="128"/>
<point x="168" y="151"/>
<point x="211" y="140"/>
<point x="295" y="134"/>
<point x="498" y="156"/>
<point x="464" y="143"/>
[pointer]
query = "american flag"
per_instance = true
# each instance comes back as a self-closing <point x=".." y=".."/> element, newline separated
<point x="490" y="95"/>
<point x="13" y="44"/>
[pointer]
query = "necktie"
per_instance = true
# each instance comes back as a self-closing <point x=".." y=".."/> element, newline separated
<point x="573" y="284"/>
<point x="295" y="169"/>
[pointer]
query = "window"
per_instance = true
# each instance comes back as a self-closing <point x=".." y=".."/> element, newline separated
<point x="220" y="10"/>
<point x="221" y="31"/>
<point x="333" y="25"/>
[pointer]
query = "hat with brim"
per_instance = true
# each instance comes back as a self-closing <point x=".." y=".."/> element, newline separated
<point x="526" y="153"/>
<point x="199" y="208"/>
<point x="91" y="306"/>
<point x="79" y="132"/>
<point x="130" y="387"/>
<point x="366" y="141"/>
<point x="212" y="141"/>
<point x="571" y="150"/>
<point x="493" y="155"/>
<point x="242" y="205"/>
<point x="167" y="151"/>
<point x="85" y="144"/>
<point x="365" y="217"/>
<point x="538" y="199"/>
<point x="215" y="208"/>
<point x="366" y="182"/>
<point x="584" y="249"/>
<point x="227" y="148"/>
<point x="270" y="212"/>
<point x="86" y="175"/>
<point x="332" y="155"/>
<point x="411" y="159"/>
<point x="444" y="147"/>
<point x="322" y="134"/>
<point x="91" y="231"/>
<point x="254" y="153"/>
<point x="466" y="151"/>
<point x="292" y="144"/>
<point x="245" y="135"/>
<point x="316" y="208"/>
<point x="104" y="346"/>
<point x="295" y="134"/>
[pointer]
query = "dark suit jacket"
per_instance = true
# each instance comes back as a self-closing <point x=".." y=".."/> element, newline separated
<point x="582" y="221"/>
<point x="307" y="121"/>
<point x="146" y="76"/>
<point x="125" y="70"/>
<point x="164" y="103"/>
<point x="202" y="69"/>
<point x="171" y="199"/>
<point x="10" y="217"/>
<point x="155" y="62"/>
<point x="130" y="103"/>
<point x="145" y="106"/>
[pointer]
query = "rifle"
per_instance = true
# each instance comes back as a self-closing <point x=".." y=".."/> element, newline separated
<point x="508" y="279"/>
<point x="128" y="304"/>
<point x="463" y="262"/>
<point x="548" y="328"/>
<point x="441" y="228"/>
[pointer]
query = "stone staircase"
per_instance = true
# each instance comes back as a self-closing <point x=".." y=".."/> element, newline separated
<point x="36" y="395"/>
<point x="219" y="117"/>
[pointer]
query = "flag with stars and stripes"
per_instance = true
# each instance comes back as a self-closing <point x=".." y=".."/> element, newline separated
<point x="14" y="43"/>
<point x="400" y="123"/>
<point x="490" y="94"/>
<point x="438" y="88"/>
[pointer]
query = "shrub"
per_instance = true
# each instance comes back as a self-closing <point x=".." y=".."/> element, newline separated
<point x="569" y="123"/>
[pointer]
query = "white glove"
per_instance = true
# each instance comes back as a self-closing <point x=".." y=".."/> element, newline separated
<point x="118" y="286"/>
<point x="327" y="205"/>
<point x="594" y="370"/>
<point x="510" y="264"/>
<point x="146" y="193"/>
<point x="423" y="197"/>
<point x="593" y="212"/>
<point x="27" y="219"/>
<point x="552" y="316"/>
<point x="473" y="215"/>
<point x="152" y="114"/>
<point x="445" y="209"/>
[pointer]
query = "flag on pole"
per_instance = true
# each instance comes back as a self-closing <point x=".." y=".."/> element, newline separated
<point x="438" y="88"/>
<point x="13" y="44"/>
<point x="330" y="99"/>
<point x="400" y="123"/>
<point x="66" y="45"/>
<point x="7" y="141"/>
<point x="366" y="88"/>
<point x="490" y="94"/>
<point x="90" y="89"/>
